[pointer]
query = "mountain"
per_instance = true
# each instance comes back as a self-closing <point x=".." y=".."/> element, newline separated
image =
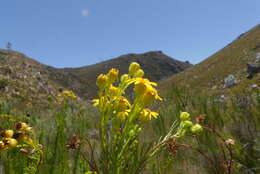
<point x="156" y="65"/>
<point x="30" y="81"/>
<point x="229" y="65"/>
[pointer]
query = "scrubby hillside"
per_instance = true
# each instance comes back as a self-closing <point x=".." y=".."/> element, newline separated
<point x="210" y="74"/>
<point x="24" y="79"/>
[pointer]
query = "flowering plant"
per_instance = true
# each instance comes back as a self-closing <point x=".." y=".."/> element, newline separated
<point x="122" y="120"/>
<point x="22" y="138"/>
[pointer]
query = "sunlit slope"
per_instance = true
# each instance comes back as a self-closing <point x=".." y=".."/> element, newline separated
<point x="209" y="75"/>
<point x="24" y="79"/>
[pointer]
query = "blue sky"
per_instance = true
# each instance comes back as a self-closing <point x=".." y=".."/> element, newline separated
<point x="71" y="33"/>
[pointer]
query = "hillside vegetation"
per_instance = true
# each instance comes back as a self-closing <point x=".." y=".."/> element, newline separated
<point x="24" y="79"/>
<point x="209" y="75"/>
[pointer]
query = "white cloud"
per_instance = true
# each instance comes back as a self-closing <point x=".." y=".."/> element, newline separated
<point x="85" y="12"/>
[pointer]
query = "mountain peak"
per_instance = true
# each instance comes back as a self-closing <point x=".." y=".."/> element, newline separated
<point x="155" y="64"/>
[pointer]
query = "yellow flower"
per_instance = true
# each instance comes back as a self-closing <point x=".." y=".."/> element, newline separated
<point x="95" y="102"/>
<point x="23" y="127"/>
<point x="10" y="142"/>
<point x="102" y="81"/>
<point x="70" y="94"/>
<point x="7" y="133"/>
<point x="20" y="136"/>
<point x="122" y="115"/>
<point x="133" y="68"/>
<point x="141" y="85"/>
<point x="147" y="115"/>
<point x="121" y="104"/>
<point x="102" y="102"/>
<point x="112" y="75"/>
<point x="149" y="96"/>
<point x="113" y="91"/>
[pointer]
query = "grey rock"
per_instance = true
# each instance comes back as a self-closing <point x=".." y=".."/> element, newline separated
<point x="221" y="98"/>
<point x="257" y="58"/>
<point x="230" y="81"/>
<point x="214" y="87"/>
<point x="254" y="86"/>
<point x="252" y="70"/>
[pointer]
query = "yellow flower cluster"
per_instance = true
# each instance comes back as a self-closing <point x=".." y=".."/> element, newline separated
<point x="11" y="138"/>
<point x="111" y="96"/>
<point x="66" y="95"/>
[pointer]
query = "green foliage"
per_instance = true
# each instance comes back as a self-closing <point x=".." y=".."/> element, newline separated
<point x="54" y="128"/>
<point x="3" y="83"/>
<point x="229" y="142"/>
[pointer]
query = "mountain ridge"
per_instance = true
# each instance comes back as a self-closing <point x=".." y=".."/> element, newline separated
<point x="35" y="78"/>
<point x="156" y="66"/>
<point x="209" y="74"/>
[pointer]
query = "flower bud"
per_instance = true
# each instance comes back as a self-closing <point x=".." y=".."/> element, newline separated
<point x="2" y="146"/>
<point x="19" y="136"/>
<point x="113" y="91"/>
<point x="24" y="151"/>
<point x="112" y="75"/>
<point x="102" y="80"/>
<point x="124" y="77"/>
<point x="7" y="133"/>
<point x="187" y="124"/>
<point x="230" y="141"/>
<point x="10" y="142"/>
<point x="131" y="133"/>
<point x="140" y="88"/>
<point x="21" y="126"/>
<point x="149" y="97"/>
<point x="197" y="128"/>
<point x="184" y="116"/>
<point x="122" y="115"/>
<point x="133" y="68"/>
<point x="139" y="73"/>
<point x="122" y="104"/>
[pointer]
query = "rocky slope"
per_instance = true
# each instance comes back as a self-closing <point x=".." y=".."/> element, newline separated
<point x="24" y="79"/>
<point x="225" y="71"/>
